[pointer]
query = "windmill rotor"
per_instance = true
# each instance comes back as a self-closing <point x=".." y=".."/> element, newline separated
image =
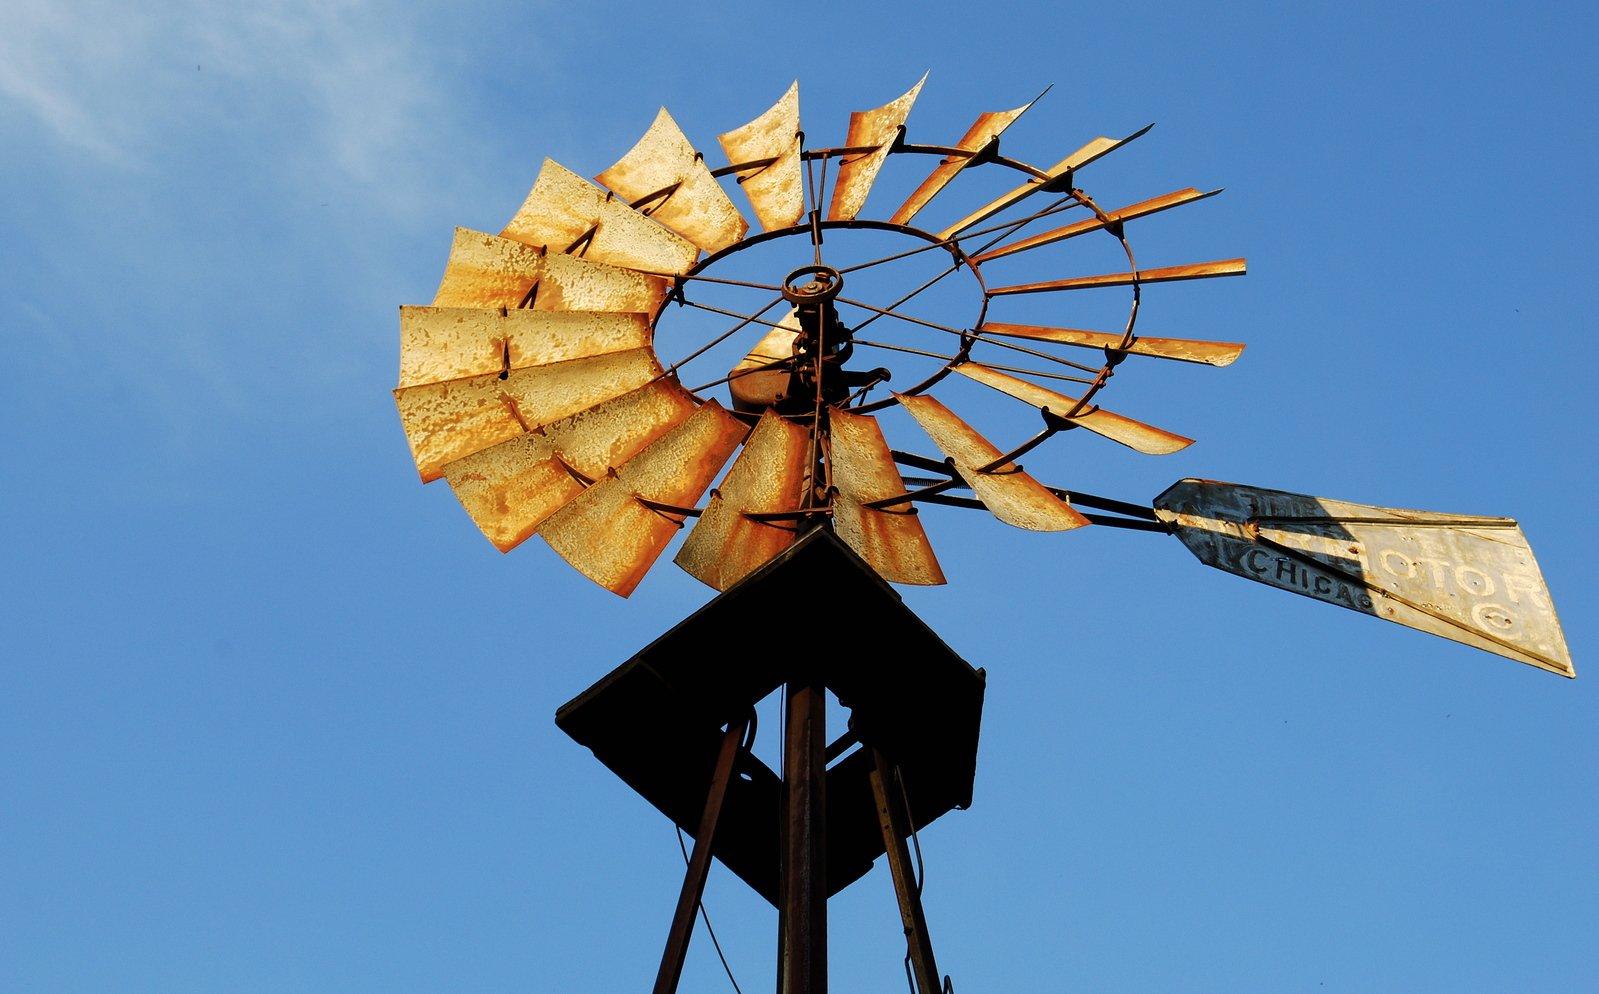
<point x="637" y="357"/>
<point x="551" y="383"/>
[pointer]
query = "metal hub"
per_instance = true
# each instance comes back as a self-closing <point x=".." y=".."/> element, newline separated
<point x="824" y="285"/>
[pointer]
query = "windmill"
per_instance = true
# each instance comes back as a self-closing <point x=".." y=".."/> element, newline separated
<point x="631" y="358"/>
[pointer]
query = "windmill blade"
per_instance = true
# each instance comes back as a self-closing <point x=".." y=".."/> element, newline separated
<point x="982" y="134"/>
<point x="877" y="130"/>
<point x="609" y="535"/>
<point x="510" y="488"/>
<point x="452" y="343"/>
<point x="1142" y="209"/>
<point x="1470" y="579"/>
<point x="1185" y="349"/>
<point x="1056" y="175"/>
<point x="691" y="201"/>
<point x="757" y="381"/>
<point x="447" y="421"/>
<point x="1133" y="434"/>
<point x="566" y="213"/>
<point x="890" y="539"/>
<point x="1014" y="497"/>
<point x="489" y="271"/>
<point x="770" y="474"/>
<point x="1194" y="271"/>
<point x="774" y="188"/>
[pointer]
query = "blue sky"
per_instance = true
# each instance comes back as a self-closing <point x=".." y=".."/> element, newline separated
<point x="276" y="718"/>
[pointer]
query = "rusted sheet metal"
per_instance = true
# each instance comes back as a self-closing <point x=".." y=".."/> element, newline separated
<point x="450" y="420"/>
<point x="694" y="205"/>
<point x="988" y="127"/>
<point x="775" y="190"/>
<point x="1095" y="149"/>
<point x="573" y="284"/>
<point x="489" y="271"/>
<point x="1467" y="578"/>
<point x="875" y="129"/>
<point x="1014" y="497"/>
<point x="565" y="212"/>
<point x="1195" y="271"/>
<point x="1188" y="350"/>
<point x="890" y="539"/>
<point x="510" y="488"/>
<point x="754" y="386"/>
<point x="1141" y="209"/>
<point x="453" y="343"/>
<point x="612" y="538"/>
<point x="726" y="545"/>
<point x="1133" y="434"/>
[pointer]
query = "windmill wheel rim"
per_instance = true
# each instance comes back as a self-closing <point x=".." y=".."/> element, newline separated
<point x="970" y="334"/>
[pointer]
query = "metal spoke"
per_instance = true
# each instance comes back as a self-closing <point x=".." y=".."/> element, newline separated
<point x="712" y="279"/>
<point x="1065" y="203"/>
<point x="902" y="317"/>
<point x="1041" y="374"/>
<point x="904" y="348"/>
<point x="745" y="321"/>
<point x="1037" y="354"/>
<point x="814" y="214"/>
<point x="950" y="359"/>
<point x="740" y="373"/>
<point x="890" y="309"/>
<point x="1006" y="228"/>
<point x="747" y="318"/>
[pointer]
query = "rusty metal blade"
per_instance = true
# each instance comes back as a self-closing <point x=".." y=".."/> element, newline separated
<point x="565" y="213"/>
<point x="1470" y="579"/>
<point x="875" y="129"/>
<point x="510" y="488"/>
<point x="1056" y="175"/>
<point x="984" y="132"/>
<point x="1195" y="271"/>
<point x="775" y="188"/>
<point x="447" y="421"/>
<point x="752" y="383"/>
<point x="489" y="271"/>
<point x="609" y="535"/>
<point x="726" y="545"/>
<point x="1014" y="497"/>
<point x="1141" y="209"/>
<point x="694" y="203"/>
<point x="1133" y="434"/>
<point x="1188" y="350"/>
<point x="890" y="539"/>
<point x="453" y="343"/>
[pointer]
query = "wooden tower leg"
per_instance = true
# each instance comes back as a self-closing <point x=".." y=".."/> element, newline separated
<point x="699" y="865"/>
<point x="895" y="823"/>
<point x="802" y="916"/>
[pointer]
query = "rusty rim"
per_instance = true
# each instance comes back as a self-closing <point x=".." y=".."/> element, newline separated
<point x="1088" y="379"/>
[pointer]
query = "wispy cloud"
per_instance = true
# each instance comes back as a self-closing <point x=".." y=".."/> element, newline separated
<point x="56" y="60"/>
<point x="350" y="79"/>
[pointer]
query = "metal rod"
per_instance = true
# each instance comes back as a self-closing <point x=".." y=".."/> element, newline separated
<point x="1131" y="524"/>
<point x="802" y="940"/>
<point x="894" y="820"/>
<point x="699" y="865"/>
<point x="952" y="360"/>
<point x="1007" y="227"/>
<point x="903" y="317"/>
<point x="907" y="297"/>
<point x="748" y="319"/>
